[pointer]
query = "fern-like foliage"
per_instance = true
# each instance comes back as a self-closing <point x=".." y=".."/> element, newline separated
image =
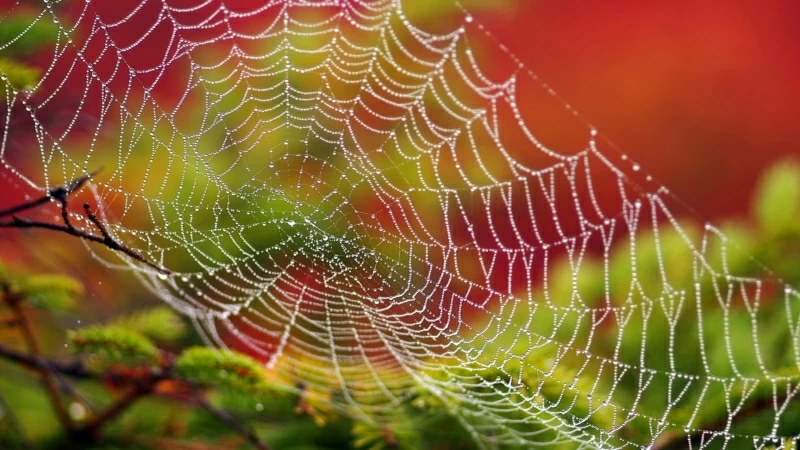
<point x="208" y="366"/>
<point x="114" y="345"/>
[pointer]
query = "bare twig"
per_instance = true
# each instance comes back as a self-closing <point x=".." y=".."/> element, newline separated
<point x="24" y="206"/>
<point x="108" y="241"/>
<point x="114" y="244"/>
<point x="61" y="194"/>
<point x="65" y="216"/>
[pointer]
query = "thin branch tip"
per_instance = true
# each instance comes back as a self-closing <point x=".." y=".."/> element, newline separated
<point x="78" y="183"/>
<point x="61" y="194"/>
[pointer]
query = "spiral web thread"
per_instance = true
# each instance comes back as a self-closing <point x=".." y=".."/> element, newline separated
<point x="362" y="205"/>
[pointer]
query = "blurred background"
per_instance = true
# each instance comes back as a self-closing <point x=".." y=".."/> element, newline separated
<point x="702" y="92"/>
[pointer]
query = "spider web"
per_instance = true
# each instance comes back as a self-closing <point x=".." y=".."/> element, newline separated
<point x="383" y="212"/>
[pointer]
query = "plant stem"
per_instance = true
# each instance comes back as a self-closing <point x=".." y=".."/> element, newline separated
<point x="231" y="421"/>
<point x="61" y="193"/>
<point x="58" y="193"/>
<point x="106" y="239"/>
<point x="71" y="368"/>
<point x="33" y="347"/>
<point x="90" y="431"/>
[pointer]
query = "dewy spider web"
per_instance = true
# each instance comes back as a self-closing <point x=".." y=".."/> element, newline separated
<point x="373" y="212"/>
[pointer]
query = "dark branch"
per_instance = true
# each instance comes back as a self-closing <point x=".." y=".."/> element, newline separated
<point x="61" y="193"/>
<point x="74" y="368"/>
<point x="141" y="384"/>
<point x="25" y="206"/>
<point x="34" y="361"/>
<point x="90" y="431"/>
<point x="45" y="371"/>
<point x="9" y="323"/>
<point x="65" y="216"/>
<point x="114" y="244"/>
<point x="231" y="421"/>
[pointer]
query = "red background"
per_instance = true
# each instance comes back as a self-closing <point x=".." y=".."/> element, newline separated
<point x="703" y="93"/>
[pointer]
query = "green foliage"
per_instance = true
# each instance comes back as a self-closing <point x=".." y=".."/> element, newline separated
<point x="113" y="345"/>
<point x="25" y="35"/>
<point x="208" y="366"/>
<point x="777" y="206"/>
<point x="160" y="324"/>
<point x="19" y="75"/>
<point x="50" y="292"/>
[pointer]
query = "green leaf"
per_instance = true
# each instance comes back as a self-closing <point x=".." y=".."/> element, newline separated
<point x="221" y="368"/>
<point x="777" y="205"/>
<point x="50" y="292"/>
<point x="115" y="345"/>
<point x="160" y="324"/>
